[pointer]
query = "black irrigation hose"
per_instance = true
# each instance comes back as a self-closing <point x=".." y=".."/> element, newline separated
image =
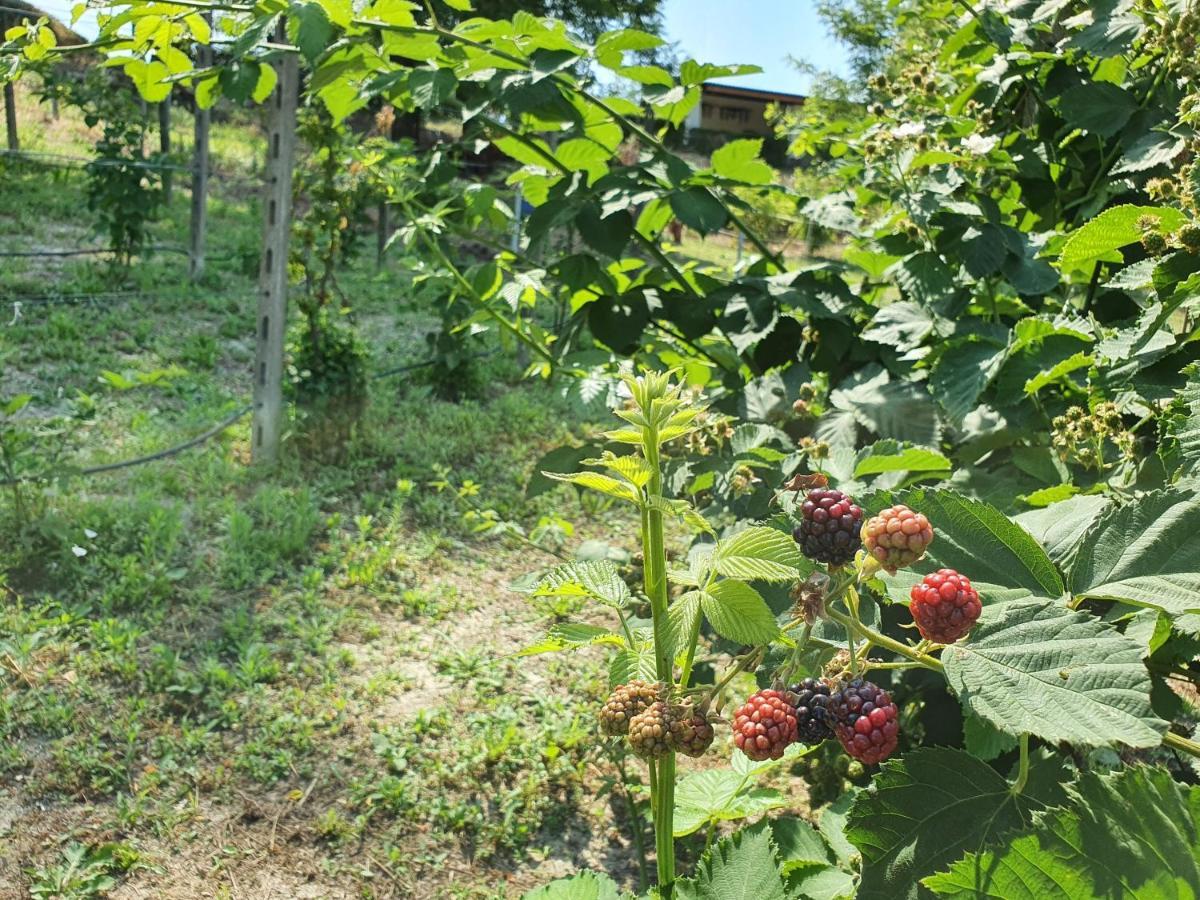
<point x="151" y="457"/>
<point x="67" y="161"/>
<point x="89" y="251"/>
<point x="230" y="420"/>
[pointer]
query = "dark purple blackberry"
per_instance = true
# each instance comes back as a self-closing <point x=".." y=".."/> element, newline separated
<point x="865" y="721"/>
<point x="812" y="719"/>
<point x="830" y="526"/>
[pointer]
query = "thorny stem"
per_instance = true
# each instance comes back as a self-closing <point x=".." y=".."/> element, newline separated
<point x="639" y="839"/>
<point x="1023" y="772"/>
<point x="882" y="640"/>
<point x="1179" y="742"/>
<point x="654" y="563"/>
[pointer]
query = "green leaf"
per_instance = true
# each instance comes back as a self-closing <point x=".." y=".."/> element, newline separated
<point x="1058" y="371"/>
<point x="799" y="845"/>
<point x="597" y="482"/>
<point x="740" y="161"/>
<point x="1186" y="428"/>
<point x="891" y="409"/>
<point x="923" y="811"/>
<point x="903" y="325"/>
<point x="719" y="795"/>
<point x="738" y="612"/>
<point x="1060" y="526"/>
<point x="1146" y="553"/>
<point x="1130" y="835"/>
<point x="1103" y="237"/>
<point x="596" y="578"/>
<point x="981" y="542"/>
<point x="583" y="886"/>
<point x="267" y="79"/>
<point x="310" y="28"/>
<point x="699" y="210"/>
<point x="1097" y="107"/>
<point x="961" y="374"/>
<point x="431" y="87"/>
<point x="572" y="636"/>
<point x="909" y="459"/>
<point x="742" y="866"/>
<point x="1030" y="660"/>
<point x="759" y="553"/>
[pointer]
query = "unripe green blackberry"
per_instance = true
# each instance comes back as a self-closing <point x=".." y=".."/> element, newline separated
<point x="650" y="731"/>
<point x="1189" y="237"/>
<point x="1154" y="243"/>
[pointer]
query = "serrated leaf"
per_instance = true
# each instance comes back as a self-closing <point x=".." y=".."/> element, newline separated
<point x="682" y="511"/>
<point x="759" y="553"/>
<point x="632" y="467"/>
<point x="719" y="795"/>
<point x="598" y="579"/>
<point x="981" y="542"/>
<point x="1030" y="660"/>
<point x="739" y="160"/>
<point x="909" y="459"/>
<point x="1059" y="370"/>
<point x="633" y="665"/>
<point x="742" y="866"/>
<point x="682" y="618"/>
<point x="1060" y="526"/>
<point x="595" y="481"/>
<point x="1130" y="835"/>
<point x="583" y="886"/>
<point x="1103" y="237"/>
<point x="1145" y="553"/>
<point x="572" y="636"/>
<point x="903" y="325"/>
<point x="738" y="612"/>
<point x="923" y="811"/>
<point x="960" y="376"/>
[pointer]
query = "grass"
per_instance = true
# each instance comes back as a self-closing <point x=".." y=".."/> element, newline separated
<point x="222" y="681"/>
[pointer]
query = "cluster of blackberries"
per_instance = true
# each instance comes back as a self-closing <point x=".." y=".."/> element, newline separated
<point x="642" y="712"/>
<point x="859" y="714"/>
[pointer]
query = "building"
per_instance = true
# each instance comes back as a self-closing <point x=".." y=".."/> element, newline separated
<point x="737" y="111"/>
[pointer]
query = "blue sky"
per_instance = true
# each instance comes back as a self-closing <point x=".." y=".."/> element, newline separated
<point x="763" y="32"/>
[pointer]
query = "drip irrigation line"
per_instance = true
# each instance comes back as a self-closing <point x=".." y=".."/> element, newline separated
<point x="68" y="161"/>
<point x="227" y="422"/>
<point x="151" y="457"/>
<point x="99" y="251"/>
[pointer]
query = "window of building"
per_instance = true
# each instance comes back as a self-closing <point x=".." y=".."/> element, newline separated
<point x="734" y="114"/>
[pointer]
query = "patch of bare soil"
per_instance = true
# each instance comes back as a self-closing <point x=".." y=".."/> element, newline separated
<point x="243" y="843"/>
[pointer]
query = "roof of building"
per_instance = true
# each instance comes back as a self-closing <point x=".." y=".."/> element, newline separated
<point x="13" y="11"/>
<point x="745" y="93"/>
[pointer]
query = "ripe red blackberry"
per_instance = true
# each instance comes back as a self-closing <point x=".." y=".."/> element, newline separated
<point x="812" y="720"/>
<point x="691" y="732"/>
<point x="897" y="537"/>
<point x="829" y="527"/>
<point x="944" y="606"/>
<point x="625" y="702"/>
<point x="650" y="731"/>
<point x="866" y="721"/>
<point x="765" y="725"/>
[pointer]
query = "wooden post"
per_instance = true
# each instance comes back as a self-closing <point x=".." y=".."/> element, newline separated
<point x="164" y="144"/>
<point x="272" y="280"/>
<point x="383" y="235"/>
<point x="10" y="116"/>
<point x="199" y="223"/>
